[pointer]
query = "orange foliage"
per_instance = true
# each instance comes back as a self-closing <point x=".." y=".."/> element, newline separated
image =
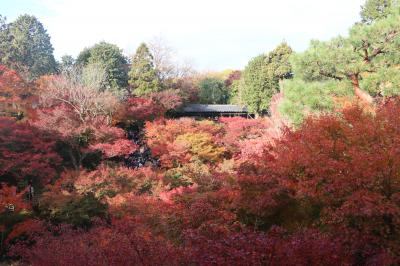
<point x="175" y="141"/>
<point x="15" y="93"/>
<point x="116" y="182"/>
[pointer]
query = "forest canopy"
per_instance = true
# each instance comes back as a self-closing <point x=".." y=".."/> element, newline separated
<point x="95" y="169"/>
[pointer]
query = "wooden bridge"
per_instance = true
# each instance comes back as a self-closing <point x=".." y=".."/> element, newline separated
<point x="212" y="111"/>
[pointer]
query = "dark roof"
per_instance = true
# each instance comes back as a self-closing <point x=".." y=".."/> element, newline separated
<point x="214" y="108"/>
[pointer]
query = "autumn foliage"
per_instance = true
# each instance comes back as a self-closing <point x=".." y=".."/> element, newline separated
<point x="15" y="93"/>
<point x="339" y="173"/>
<point x="153" y="106"/>
<point x="183" y="139"/>
<point x="9" y="195"/>
<point x="233" y="191"/>
<point x="26" y="152"/>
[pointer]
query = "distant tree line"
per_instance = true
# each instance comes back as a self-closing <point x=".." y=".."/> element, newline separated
<point x="364" y="65"/>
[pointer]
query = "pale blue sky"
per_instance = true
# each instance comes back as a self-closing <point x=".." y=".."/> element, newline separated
<point x="214" y="34"/>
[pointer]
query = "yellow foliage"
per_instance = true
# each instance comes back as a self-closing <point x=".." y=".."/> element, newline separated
<point x="201" y="145"/>
<point x="223" y="75"/>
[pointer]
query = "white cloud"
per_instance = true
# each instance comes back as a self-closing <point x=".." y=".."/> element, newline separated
<point x="217" y="34"/>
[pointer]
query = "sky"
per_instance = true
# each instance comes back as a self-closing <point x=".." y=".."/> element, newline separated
<point x="212" y="34"/>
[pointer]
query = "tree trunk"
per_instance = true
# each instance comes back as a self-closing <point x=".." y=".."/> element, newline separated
<point x="281" y="86"/>
<point x="74" y="160"/>
<point x="362" y="95"/>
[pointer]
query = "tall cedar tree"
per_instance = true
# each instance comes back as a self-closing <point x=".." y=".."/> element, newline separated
<point x="143" y="77"/>
<point x="25" y="47"/>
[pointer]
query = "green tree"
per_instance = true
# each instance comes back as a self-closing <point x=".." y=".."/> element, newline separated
<point x="303" y="98"/>
<point x="279" y="61"/>
<point x="378" y="45"/>
<point x="25" y="46"/>
<point x="143" y="77"/>
<point x="67" y="64"/>
<point x="376" y="9"/>
<point x="330" y="73"/>
<point x="262" y="76"/>
<point x="4" y="38"/>
<point x="3" y="23"/>
<point x="236" y="90"/>
<point x="328" y="60"/>
<point x="213" y="91"/>
<point x="369" y="48"/>
<point x="110" y="58"/>
<point x="259" y="85"/>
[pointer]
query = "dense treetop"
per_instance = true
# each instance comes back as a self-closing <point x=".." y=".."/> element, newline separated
<point x="376" y="9"/>
<point x="261" y="78"/>
<point x="143" y="77"/>
<point x="110" y="58"/>
<point x="25" y="46"/>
